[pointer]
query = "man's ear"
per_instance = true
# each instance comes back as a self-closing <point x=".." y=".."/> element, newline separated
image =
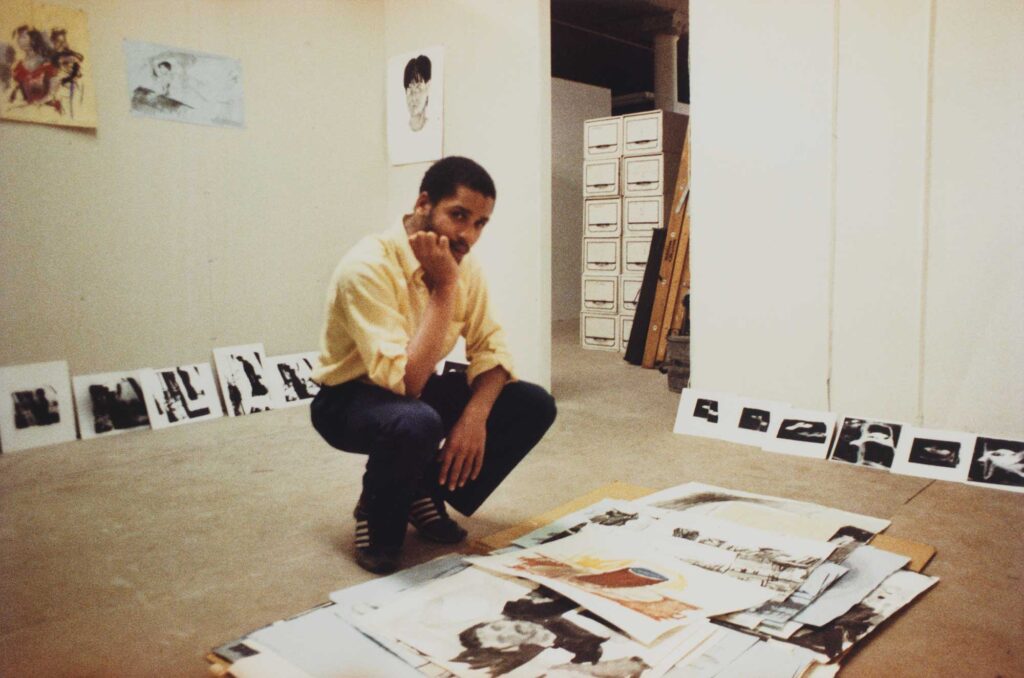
<point x="423" y="203"/>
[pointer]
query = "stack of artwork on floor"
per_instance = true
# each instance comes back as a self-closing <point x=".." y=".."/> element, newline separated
<point x="693" y="581"/>
<point x="39" y="402"/>
<point x="993" y="461"/>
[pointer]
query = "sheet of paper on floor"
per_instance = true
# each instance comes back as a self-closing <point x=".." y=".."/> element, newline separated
<point x="778" y="520"/>
<point x="354" y="603"/>
<point x="778" y="562"/>
<point x="868" y="567"/>
<point x="622" y="579"/>
<point x="619" y="513"/>
<point x="476" y="623"/>
<point x="773" y="616"/>
<point x="322" y="645"/>
<point x="265" y="664"/>
<point x="770" y="658"/>
<point x="699" y="497"/>
<point x="838" y="636"/>
<point x="717" y="652"/>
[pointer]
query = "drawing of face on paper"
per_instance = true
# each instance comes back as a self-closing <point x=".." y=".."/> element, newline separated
<point x="415" y="97"/>
<point x="417" y="90"/>
<point x="45" y="69"/>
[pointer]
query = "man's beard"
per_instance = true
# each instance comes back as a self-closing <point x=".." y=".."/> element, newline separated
<point x="458" y="249"/>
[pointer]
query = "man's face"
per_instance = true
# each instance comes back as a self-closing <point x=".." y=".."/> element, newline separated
<point x="460" y="217"/>
<point x="416" y="95"/>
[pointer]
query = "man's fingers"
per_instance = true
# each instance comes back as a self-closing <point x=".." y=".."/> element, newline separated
<point x="467" y="470"/>
<point x="446" y="462"/>
<point x="478" y="463"/>
<point x="456" y="471"/>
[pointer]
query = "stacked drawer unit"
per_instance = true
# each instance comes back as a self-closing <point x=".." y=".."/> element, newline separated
<point x="630" y="164"/>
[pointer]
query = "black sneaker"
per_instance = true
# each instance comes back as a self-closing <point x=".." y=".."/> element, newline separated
<point x="371" y="558"/>
<point x="430" y="518"/>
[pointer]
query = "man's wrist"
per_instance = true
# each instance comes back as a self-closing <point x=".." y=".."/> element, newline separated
<point x="444" y="291"/>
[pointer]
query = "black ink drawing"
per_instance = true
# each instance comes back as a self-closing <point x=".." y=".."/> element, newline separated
<point x="295" y="374"/>
<point x="998" y="462"/>
<point x="36" y="407"/>
<point x="184" y="85"/>
<point x="610" y="518"/>
<point x="530" y="625"/>
<point x="867" y="443"/>
<point x="803" y="431"/>
<point x="179" y="395"/>
<point x="706" y="409"/>
<point x="243" y="379"/>
<point x="944" y="453"/>
<point x="754" y="419"/>
<point x="110" y="403"/>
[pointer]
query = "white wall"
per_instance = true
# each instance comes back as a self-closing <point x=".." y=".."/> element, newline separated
<point x="857" y="207"/>
<point x="498" y="112"/>
<point x="571" y="104"/>
<point x="148" y="243"/>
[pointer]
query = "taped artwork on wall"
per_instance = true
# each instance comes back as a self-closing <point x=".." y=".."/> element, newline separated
<point x="173" y="83"/>
<point x="111" y="403"/>
<point x="181" y="395"/>
<point x="415" y="96"/>
<point x="245" y="380"/>
<point x="45" y="65"/>
<point x="36" y="407"/>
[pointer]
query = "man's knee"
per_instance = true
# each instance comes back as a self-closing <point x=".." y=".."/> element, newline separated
<point x="534" y="402"/>
<point x="414" y="428"/>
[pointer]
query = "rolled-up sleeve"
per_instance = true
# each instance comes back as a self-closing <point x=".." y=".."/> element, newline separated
<point x="376" y="326"/>
<point x="486" y="346"/>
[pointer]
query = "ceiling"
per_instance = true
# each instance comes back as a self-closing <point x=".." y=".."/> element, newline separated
<point x="610" y="43"/>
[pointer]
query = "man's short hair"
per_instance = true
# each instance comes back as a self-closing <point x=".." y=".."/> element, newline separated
<point x="446" y="175"/>
<point x="418" y="68"/>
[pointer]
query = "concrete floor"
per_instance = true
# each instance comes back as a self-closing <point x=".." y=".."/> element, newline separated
<point x="134" y="555"/>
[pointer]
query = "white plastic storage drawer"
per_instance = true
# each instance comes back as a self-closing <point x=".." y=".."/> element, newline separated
<point x="634" y="254"/>
<point x="629" y="293"/>
<point x="599" y="331"/>
<point x="601" y="293"/>
<point x="601" y="255"/>
<point x="602" y="218"/>
<point x="602" y="138"/>
<point x="642" y="215"/>
<point x="600" y="178"/>
<point x="625" y="329"/>
<point x="642" y="133"/>
<point x="643" y="175"/>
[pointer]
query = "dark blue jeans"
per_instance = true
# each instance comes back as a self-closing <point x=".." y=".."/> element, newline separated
<point x="401" y="437"/>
